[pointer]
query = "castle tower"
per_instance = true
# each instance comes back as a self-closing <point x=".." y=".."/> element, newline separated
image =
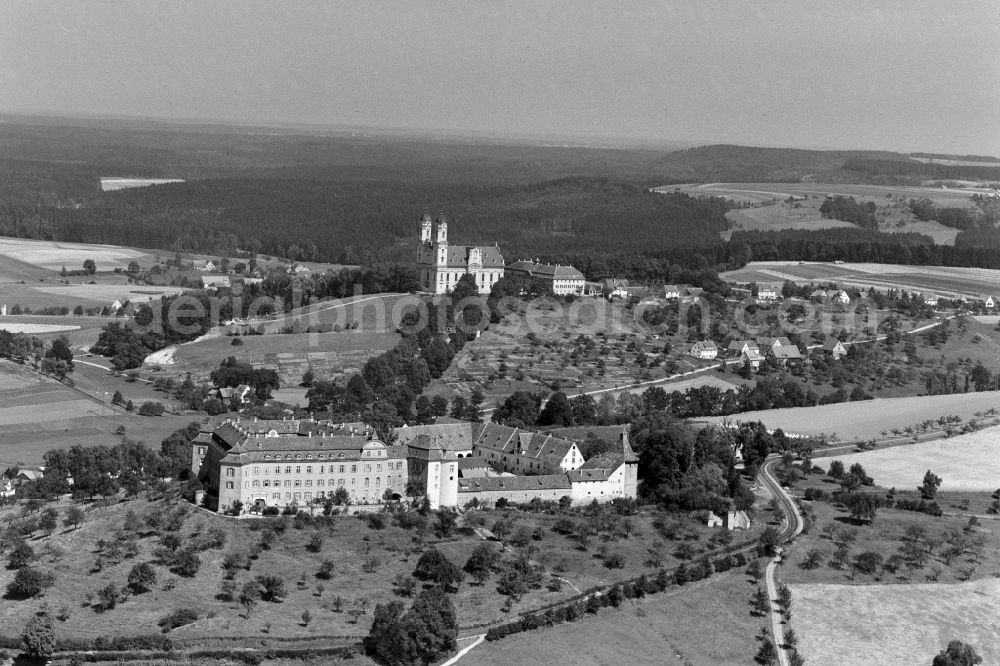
<point x="425" y="228"/>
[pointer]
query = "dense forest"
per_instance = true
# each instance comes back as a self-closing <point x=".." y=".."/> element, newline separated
<point x="355" y="198"/>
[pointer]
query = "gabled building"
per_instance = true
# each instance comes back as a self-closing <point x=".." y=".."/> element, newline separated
<point x="560" y="280"/>
<point x="738" y="347"/>
<point x="704" y="349"/>
<point x="440" y="266"/>
<point x="835" y="348"/>
<point x="768" y="292"/>
<point x="214" y="282"/>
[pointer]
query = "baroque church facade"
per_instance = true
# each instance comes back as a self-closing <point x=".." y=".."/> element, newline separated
<point x="440" y="265"/>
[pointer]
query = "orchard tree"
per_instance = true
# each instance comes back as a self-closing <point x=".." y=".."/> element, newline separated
<point x="930" y="485"/>
<point x="38" y="638"/>
<point x="957" y="654"/>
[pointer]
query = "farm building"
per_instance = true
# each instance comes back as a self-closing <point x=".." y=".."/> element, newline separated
<point x="768" y="292"/>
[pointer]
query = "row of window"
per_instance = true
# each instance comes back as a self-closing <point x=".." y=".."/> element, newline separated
<point x="297" y="483"/>
<point x="256" y="471"/>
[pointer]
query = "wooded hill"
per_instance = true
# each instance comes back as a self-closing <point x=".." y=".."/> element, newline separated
<point x="356" y="198"/>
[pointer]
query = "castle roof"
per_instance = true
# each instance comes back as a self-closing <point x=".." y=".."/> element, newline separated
<point x="514" y="483"/>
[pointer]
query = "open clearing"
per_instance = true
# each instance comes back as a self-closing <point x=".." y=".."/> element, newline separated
<point x="707" y="623"/>
<point x="895" y="625"/>
<point x="964" y="462"/>
<point x="945" y="281"/>
<point x="114" y="183"/>
<point x="866" y="419"/>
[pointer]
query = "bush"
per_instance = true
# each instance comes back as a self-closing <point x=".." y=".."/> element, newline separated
<point x="151" y="408"/>
<point x="178" y="618"/>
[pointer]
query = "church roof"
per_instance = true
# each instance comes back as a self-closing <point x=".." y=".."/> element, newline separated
<point x="458" y="256"/>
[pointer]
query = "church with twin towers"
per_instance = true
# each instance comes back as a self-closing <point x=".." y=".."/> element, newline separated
<point x="440" y="265"/>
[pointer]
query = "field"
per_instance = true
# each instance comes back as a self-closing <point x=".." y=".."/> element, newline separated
<point x="945" y="281"/>
<point x="853" y="421"/>
<point x="772" y="211"/>
<point x="705" y="624"/>
<point x="53" y="255"/>
<point x="969" y="462"/>
<point x="897" y="625"/>
<point x="38" y="414"/>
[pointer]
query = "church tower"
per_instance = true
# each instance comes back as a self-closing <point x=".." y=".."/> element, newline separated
<point x="425" y="228"/>
<point x="441" y="245"/>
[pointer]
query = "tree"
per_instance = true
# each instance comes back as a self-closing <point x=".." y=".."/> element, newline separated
<point x="767" y="654"/>
<point x="48" y="520"/>
<point x="21" y="555"/>
<point x="957" y="654"/>
<point x="930" y="485"/>
<point x="862" y="506"/>
<point x="249" y="596"/>
<point x="141" y="578"/>
<point x="271" y="587"/>
<point x="769" y="541"/>
<point x="420" y="635"/>
<point x="836" y="470"/>
<point x="308" y="378"/>
<point x="74" y="516"/>
<point x="868" y="562"/>
<point x="557" y="411"/>
<point x="89" y="266"/>
<point x="38" y="638"/>
<point x="482" y="560"/>
<point x="435" y="567"/>
<point x="29" y="582"/>
<point x="760" y="603"/>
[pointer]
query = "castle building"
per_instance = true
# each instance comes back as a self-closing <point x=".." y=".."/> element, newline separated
<point x="250" y="464"/>
<point x="246" y="465"/>
<point x="440" y="265"/>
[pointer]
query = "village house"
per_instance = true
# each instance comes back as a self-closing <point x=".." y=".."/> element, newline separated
<point x="208" y="267"/>
<point x="704" y="349"/>
<point x="930" y="298"/>
<point x="781" y="349"/>
<point x="738" y="347"/>
<point x="753" y="357"/>
<point x="440" y="266"/>
<point x="558" y="279"/>
<point x="768" y="292"/>
<point x="215" y="282"/>
<point x="835" y="348"/>
<point x="989" y="303"/>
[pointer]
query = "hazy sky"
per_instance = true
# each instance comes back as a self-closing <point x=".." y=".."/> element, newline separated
<point x="912" y="75"/>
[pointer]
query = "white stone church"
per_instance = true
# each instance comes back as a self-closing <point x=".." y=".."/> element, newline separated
<point x="440" y="265"/>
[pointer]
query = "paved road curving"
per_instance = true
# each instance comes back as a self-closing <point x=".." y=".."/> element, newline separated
<point x="793" y="525"/>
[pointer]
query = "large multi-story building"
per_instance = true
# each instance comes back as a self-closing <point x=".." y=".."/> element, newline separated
<point x="255" y="463"/>
<point x="440" y="266"/>
<point x="245" y="465"/>
<point x="560" y="280"/>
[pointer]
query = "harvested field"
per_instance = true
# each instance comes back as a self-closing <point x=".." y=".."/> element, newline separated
<point x="665" y="629"/>
<point x="853" y="421"/>
<point x="53" y="255"/>
<point x="945" y="281"/>
<point x="35" y="329"/>
<point x="766" y="191"/>
<point x="895" y="625"/>
<point x="967" y="462"/>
